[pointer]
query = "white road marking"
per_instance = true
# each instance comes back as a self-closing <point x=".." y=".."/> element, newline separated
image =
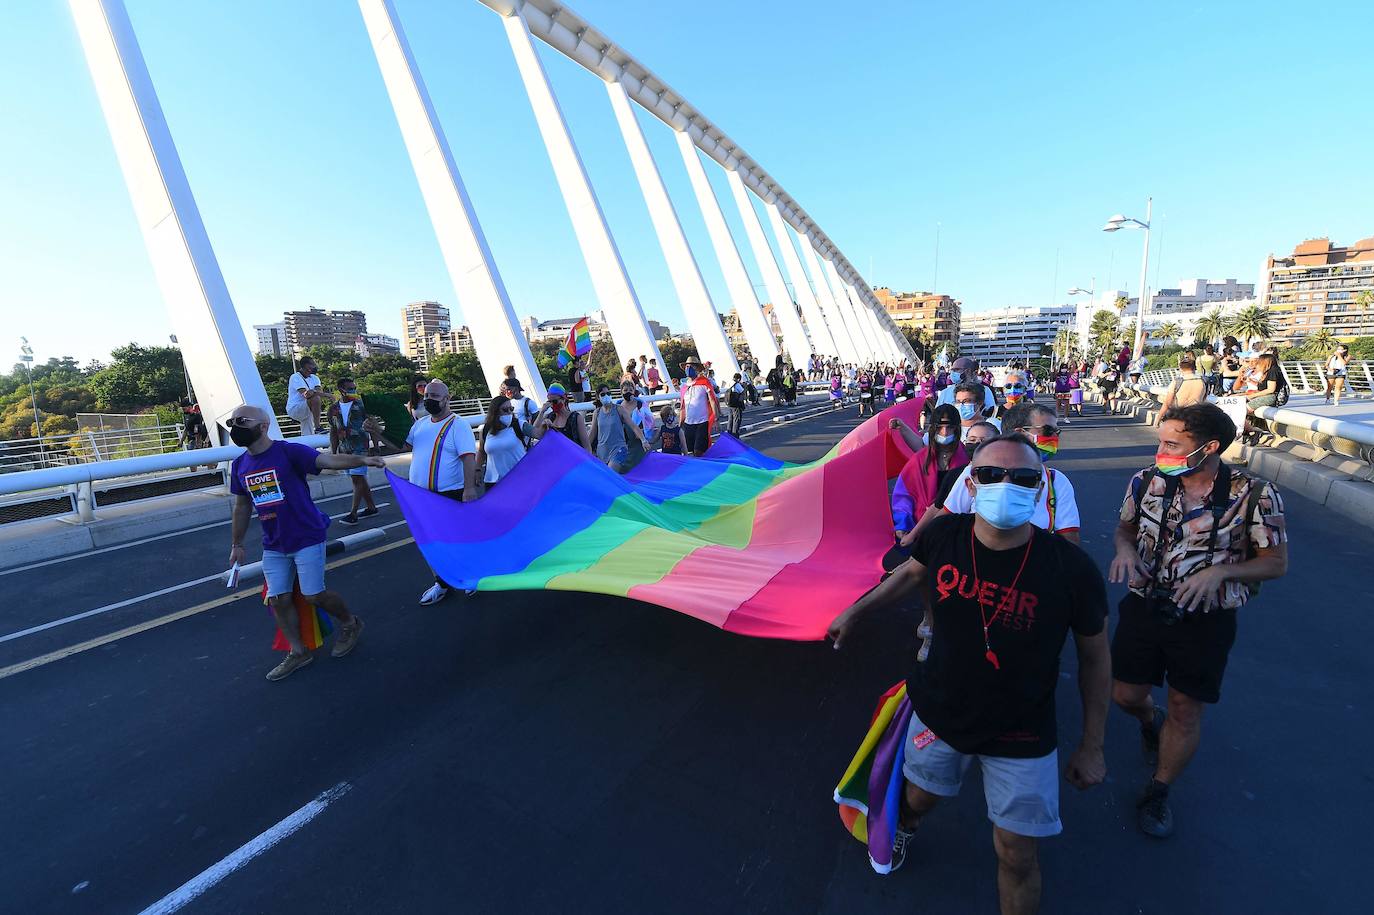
<point x="189" y="530"/>
<point x="127" y="602"/>
<point x="235" y="860"/>
<point x="107" y="608"/>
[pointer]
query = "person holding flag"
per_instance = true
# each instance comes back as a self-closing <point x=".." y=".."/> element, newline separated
<point x="700" y="407"/>
<point x="443" y="460"/>
<point x="578" y="344"/>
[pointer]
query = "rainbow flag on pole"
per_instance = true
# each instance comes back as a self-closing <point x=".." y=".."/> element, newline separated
<point x="579" y="343"/>
<point x="736" y="539"/>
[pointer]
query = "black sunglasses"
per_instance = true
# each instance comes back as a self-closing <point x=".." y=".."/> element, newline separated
<point x="1019" y="476"/>
<point x="241" y="421"/>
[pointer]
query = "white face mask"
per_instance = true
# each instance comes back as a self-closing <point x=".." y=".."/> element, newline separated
<point x="506" y="419"/>
<point x="605" y="400"/>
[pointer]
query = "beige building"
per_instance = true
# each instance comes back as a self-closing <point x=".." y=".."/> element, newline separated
<point x="938" y="315"/>
<point x="1321" y="286"/>
<point x="323" y="327"/>
<point x="420" y="322"/>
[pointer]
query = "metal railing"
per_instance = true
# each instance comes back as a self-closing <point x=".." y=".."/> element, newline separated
<point x="1303" y="377"/>
<point x="73" y="487"/>
<point x="87" y="445"/>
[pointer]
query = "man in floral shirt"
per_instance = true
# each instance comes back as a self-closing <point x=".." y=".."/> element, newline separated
<point x="1194" y="541"/>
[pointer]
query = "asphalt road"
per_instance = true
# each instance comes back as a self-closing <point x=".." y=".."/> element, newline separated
<point x="540" y="752"/>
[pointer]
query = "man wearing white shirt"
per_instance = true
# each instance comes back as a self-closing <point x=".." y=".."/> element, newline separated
<point x="965" y="368"/>
<point x="304" y="396"/>
<point x="1057" y="508"/>
<point x="443" y="459"/>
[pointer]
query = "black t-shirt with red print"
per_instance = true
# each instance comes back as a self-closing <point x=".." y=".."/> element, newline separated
<point x="1031" y="601"/>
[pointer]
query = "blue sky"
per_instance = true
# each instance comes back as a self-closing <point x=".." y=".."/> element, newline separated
<point x="1018" y="128"/>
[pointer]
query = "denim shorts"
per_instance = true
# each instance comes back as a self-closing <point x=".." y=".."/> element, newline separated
<point x="282" y="569"/>
<point x="1022" y="794"/>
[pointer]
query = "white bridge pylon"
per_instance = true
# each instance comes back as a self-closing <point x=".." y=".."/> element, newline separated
<point x="842" y="317"/>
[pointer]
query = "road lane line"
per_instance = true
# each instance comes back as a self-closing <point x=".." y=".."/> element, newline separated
<point x="212" y="875"/>
<point x="129" y="601"/>
<point x="189" y="530"/>
<point x="59" y="654"/>
<point x="53" y="624"/>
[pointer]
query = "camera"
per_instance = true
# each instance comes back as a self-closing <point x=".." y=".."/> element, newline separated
<point x="1160" y="599"/>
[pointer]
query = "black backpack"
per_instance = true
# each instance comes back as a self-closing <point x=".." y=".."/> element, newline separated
<point x="734" y="399"/>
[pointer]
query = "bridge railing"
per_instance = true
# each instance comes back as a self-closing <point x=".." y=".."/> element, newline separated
<point x="1303" y="377"/>
<point x="71" y="489"/>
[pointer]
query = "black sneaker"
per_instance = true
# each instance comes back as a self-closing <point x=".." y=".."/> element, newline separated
<point x="1149" y="737"/>
<point x="899" y="846"/>
<point x="349" y="519"/>
<point x="1153" y="815"/>
<point x="368" y="512"/>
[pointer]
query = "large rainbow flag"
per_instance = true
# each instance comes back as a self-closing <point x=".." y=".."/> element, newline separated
<point x="579" y="343"/>
<point x="737" y="539"/>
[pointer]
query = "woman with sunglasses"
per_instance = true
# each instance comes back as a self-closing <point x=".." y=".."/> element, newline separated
<point x="502" y="444"/>
<point x="557" y="416"/>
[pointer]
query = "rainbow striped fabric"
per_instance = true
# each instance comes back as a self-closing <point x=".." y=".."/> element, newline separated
<point x="315" y="624"/>
<point x="579" y="343"/>
<point x="736" y="539"/>
<point x="869" y="794"/>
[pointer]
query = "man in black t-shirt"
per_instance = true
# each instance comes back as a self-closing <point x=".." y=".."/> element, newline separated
<point x="1004" y="595"/>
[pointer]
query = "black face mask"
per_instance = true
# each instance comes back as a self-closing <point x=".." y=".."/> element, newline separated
<point x="433" y="407"/>
<point x="244" y="436"/>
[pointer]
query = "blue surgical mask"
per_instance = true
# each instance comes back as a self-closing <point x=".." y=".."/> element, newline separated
<point x="956" y="376"/>
<point x="606" y="400"/>
<point x="1004" y="505"/>
<point x="967" y="410"/>
<point x="691" y="371"/>
<point x="506" y="419"/>
<point x="944" y="439"/>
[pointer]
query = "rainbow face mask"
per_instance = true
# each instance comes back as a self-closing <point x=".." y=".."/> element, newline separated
<point x="1176" y="465"/>
<point x="1047" y="445"/>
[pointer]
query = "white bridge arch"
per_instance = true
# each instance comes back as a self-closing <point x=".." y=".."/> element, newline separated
<point x="834" y="312"/>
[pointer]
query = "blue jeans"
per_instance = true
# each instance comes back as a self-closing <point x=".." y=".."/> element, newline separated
<point x="282" y="570"/>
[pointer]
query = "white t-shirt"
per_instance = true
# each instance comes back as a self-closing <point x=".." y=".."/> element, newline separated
<point x="959" y="502"/>
<point x="525" y="411"/>
<point x="458" y="442"/>
<point x="504" y="451"/>
<point x="294" y="397"/>
<point x="947" y="396"/>
<point x="696" y="404"/>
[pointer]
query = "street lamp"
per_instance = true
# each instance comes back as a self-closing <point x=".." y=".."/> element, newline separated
<point x="1091" y="293"/>
<point x="1117" y="223"/>
<point x="26" y="357"/>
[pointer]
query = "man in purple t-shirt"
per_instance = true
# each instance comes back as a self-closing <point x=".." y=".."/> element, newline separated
<point x="270" y="478"/>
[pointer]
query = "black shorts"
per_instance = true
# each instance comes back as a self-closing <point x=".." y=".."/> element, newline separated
<point x="698" y="437"/>
<point x="1191" y="654"/>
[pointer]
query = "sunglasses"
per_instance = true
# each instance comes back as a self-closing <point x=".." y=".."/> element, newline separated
<point x="1018" y="476"/>
<point x="1040" y="430"/>
<point x="241" y="421"/>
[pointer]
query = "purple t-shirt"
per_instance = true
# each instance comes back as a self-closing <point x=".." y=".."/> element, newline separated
<point x="275" y="481"/>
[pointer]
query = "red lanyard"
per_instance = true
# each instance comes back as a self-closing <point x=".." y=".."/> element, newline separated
<point x="991" y="655"/>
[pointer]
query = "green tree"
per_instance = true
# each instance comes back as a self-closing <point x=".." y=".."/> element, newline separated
<point x="1210" y="328"/>
<point x="1251" y="324"/>
<point x="1169" y="332"/>
<point x="1104" y="329"/>
<point x="1319" y="343"/>
<point x="1121" y="304"/>
<point x="1065" y="346"/>
<point x="140" y="377"/>
<point x="462" y="372"/>
<point x="919" y="338"/>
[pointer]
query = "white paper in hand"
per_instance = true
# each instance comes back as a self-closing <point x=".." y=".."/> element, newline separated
<point x="232" y="581"/>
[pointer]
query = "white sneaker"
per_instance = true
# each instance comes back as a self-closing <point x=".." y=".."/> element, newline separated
<point x="436" y="593"/>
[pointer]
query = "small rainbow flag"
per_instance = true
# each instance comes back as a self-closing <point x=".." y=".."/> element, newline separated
<point x="579" y="343"/>
<point x="315" y="624"/>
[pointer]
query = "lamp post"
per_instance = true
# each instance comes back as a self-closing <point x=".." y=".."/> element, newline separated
<point x="1114" y="224"/>
<point x="1091" y="293"/>
<point x="185" y="376"/>
<point x="26" y="357"/>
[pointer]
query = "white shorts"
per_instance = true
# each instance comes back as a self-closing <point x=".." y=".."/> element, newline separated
<point x="1022" y="794"/>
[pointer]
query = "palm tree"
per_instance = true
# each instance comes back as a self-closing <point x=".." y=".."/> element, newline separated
<point x="1365" y="299"/>
<point x="1122" y="303"/>
<point x="1169" y="331"/>
<point x="1104" y="328"/>
<point x="1251" y="324"/>
<point x="1323" y="341"/>
<point x="1065" y="343"/>
<point x="1211" y="327"/>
